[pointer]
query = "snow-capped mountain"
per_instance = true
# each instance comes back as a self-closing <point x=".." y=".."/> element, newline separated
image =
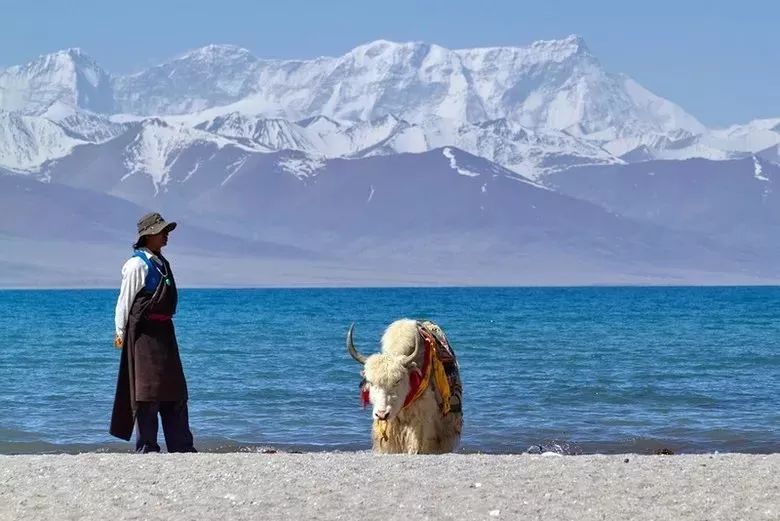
<point x="270" y="133"/>
<point x="150" y="157"/>
<point x="158" y="146"/>
<point x="681" y="145"/>
<point x="67" y="78"/>
<point x="535" y="109"/>
<point x="554" y="84"/>
<point x="526" y="151"/>
<point x="755" y="136"/>
<point x="532" y="153"/>
<point x="90" y="127"/>
<point x="758" y="137"/>
<point x="524" y="159"/>
<point x="27" y="142"/>
<point x="551" y="84"/>
<point x="211" y="76"/>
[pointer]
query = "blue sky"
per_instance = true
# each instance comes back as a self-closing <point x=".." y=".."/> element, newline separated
<point x="717" y="59"/>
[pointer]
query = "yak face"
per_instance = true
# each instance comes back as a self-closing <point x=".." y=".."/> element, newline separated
<point x="387" y="375"/>
<point x="387" y="379"/>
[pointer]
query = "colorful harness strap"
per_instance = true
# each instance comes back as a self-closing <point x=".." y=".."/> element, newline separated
<point x="432" y="366"/>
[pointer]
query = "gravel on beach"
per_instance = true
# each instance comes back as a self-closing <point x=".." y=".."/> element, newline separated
<point x="364" y="486"/>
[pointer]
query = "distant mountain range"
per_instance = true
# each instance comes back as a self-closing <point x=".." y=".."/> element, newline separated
<point x="393" y="164"/>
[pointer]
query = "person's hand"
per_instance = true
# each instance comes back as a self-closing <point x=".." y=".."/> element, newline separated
<point x="118" y="341"/>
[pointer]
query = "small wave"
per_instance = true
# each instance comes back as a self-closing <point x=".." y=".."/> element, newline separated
<point x="562" y="447"/>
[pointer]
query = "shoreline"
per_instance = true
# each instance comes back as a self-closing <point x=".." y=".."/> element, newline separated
<point x="364" y="485"/>
<point x="639" y="447"/>
<point x="325" y="286"/>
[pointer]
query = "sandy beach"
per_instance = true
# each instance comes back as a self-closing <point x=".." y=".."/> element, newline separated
<point x="361" y="486"/>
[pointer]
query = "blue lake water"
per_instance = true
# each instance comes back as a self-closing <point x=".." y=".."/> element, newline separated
<point x="580" y="370"/>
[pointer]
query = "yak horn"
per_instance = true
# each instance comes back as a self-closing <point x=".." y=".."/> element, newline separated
<point x="361" y="359"/>
<point x="409" y="359"/>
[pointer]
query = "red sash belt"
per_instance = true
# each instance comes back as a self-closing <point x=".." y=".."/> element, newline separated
<point x="157" y="317"/>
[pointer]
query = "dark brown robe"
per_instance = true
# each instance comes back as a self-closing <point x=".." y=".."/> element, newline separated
<point x="150" y="369"/>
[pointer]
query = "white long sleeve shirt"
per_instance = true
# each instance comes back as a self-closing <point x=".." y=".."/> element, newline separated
<point x="133" y="279"/>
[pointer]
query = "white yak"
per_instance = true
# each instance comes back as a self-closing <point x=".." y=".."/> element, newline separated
<point x="409" y="391"/>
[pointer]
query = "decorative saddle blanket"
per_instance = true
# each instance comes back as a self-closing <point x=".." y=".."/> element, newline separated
<point x="447" y="382"/>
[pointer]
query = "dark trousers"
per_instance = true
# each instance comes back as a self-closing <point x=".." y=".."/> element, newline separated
<point x="175" y="422"/>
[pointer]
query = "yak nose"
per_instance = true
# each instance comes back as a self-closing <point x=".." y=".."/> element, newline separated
<point x="382" y="415"/>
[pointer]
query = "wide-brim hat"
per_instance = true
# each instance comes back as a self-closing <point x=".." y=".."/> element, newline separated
<point x="152" y="224"/>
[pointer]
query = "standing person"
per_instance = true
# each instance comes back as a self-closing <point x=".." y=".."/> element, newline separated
<point x="151" y="379"/>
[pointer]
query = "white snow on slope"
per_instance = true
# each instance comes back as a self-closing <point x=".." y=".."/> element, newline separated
<point x="26" y="142"/>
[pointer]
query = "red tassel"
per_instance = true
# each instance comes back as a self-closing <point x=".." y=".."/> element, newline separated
<point x="364" y="396"/>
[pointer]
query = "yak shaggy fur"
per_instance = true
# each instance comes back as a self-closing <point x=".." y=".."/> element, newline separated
<point x="422" y="427"/>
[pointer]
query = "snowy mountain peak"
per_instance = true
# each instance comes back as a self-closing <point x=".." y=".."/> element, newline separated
<point x="271" y="133"/>
<point x="552" y="84"/>
<point x="533" y="109"/>
<point x="68" y="77"/>
<point x="571" y="45"/>
<point x="375" y="47"/>
<point x="62" y="65"/>
<point x="207" y="77"/>
<point x="71" y="54"/>
<point x="157" y="145"/>
<point x="215" y="52"/>
<point x="26" y="142"/>
<point x="556" y="50"/>
<point x="388" y="48"/>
